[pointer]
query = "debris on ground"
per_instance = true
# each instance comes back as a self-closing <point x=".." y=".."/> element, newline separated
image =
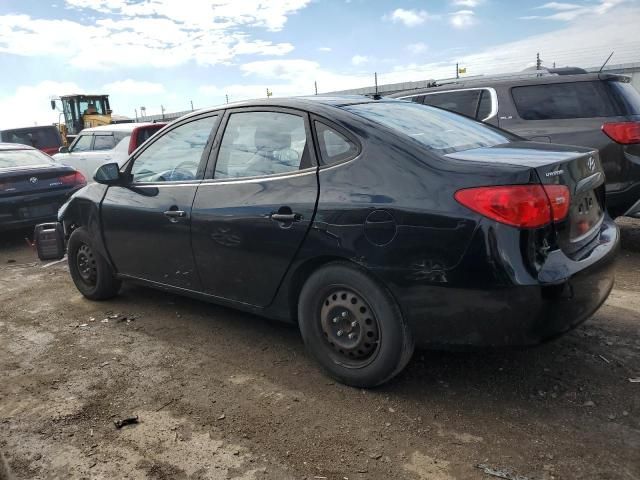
<point x="126" y="421"/>
<point x="221" y="417"/>
<point x="500" y="473"/>
<point x="635" y="380"/>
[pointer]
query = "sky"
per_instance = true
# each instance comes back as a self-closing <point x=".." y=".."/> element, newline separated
<point x="169" y="53"/>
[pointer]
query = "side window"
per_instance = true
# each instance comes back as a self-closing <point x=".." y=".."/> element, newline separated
<point x="463" y="102"/>
<point x="562" y="100"/>
<point x="176" y="155"/>
<point x="334" y="147"/>
<point x="103" y="142"/>
<point x="262" y="143"/>
<point x="484" y="108"/>
<point x="82" y="144"/>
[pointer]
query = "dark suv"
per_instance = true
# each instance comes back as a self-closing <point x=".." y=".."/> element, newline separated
<point x="571" y="106"/>
<point x="45" y="138"/>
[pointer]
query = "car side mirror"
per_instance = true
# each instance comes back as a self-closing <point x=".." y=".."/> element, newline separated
<point x="108" y="174"/>
<point x="63" y="150"/>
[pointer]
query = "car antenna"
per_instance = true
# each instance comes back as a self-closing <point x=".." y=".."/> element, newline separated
<point x="376" y="95"/>
<point x="605" y="62"/>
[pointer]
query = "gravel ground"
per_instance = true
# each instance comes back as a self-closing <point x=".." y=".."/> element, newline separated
<point x="226" y="395"/>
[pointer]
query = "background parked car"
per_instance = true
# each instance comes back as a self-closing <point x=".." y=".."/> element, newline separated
<point x="46" y="138"/>
<point x="588" y="109"/>
<point x="109" y="143"/>
<point x="32" y="186"/>
<point x="406" y="224"/>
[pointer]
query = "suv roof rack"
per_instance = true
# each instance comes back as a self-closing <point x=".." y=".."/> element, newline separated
<point x="525" y="74"/>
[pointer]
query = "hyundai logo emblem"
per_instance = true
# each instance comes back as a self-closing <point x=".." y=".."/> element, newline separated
<point x="591" y="164"/>
<point x="33" y="179"/>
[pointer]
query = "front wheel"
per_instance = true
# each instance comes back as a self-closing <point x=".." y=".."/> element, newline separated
<point x="90" y="272"/>
<point x="352" y="326"/>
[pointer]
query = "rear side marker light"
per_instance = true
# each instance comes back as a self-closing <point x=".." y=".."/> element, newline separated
<point x="625" y="133"/>
<point x="523" y="206"/>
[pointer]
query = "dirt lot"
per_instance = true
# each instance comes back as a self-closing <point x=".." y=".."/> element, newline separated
<point x="226" y="395"/>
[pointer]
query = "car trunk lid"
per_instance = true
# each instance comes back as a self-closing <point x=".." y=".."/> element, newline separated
<point x="33" y="179"/>
<point x="577" y="168"/>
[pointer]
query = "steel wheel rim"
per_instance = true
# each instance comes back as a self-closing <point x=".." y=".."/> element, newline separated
<point x="350" y="327"/>
<point x="86" y="264"/>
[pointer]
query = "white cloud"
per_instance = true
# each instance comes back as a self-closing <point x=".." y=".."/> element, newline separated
<point x="567" y="12"/>
<point x="466" y="3"/>
<point x="417" y="48"/>
<point x="559" y="6"/>
<point x="462" y="18"/>
<point x="157" y="33"/>
<point x="30" y="104"/>
<point x="134" y="87"/>
<point x="324" y="49"/>
<point x="359" y="60"/>
<point x="410" y="18"/>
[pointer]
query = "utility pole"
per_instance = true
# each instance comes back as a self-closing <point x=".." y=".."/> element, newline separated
<point x="162" y="110"/>
<point x="315" y="84"/>
<point x="226" y="96"/>
<point x="191" y="105"/>
<point x="375" y="79"/>
<point x="136" y="114"/>
<point x="457" y="71"/>
<point x="538" y="61"/>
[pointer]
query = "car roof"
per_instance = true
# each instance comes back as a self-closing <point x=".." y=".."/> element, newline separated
<point x="120" y="127"/>
<point x="311" y="103"/>
<point x="525" y="79"/>
<point x="15" y="146"/>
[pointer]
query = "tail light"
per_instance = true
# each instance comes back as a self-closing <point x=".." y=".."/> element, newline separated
<point x="73" y="178"/>
<point x="625" y="133"/>
<point x="523" y="206"/>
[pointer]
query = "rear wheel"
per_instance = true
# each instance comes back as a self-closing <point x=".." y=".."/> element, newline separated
<point x="90" y="272"/>
<point x="352" y="326"/>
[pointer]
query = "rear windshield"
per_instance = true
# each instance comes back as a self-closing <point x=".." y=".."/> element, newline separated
<point x="22" y="158"/>
<point x="438" y="130"/>
<point x="34" y="137"/>
<point x="576" y="100"/>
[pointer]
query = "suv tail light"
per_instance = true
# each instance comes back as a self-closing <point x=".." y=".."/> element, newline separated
<point x="73" y="178"/>
<point x="625" y="133"/>
<point x="523" y="206"/>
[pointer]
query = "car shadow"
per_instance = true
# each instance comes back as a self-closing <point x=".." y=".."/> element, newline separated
<point x="494" y="378"/>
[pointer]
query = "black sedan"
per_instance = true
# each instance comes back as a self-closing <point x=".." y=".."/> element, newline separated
<point x="372" y="224"/>
<point x="32" y="186"/>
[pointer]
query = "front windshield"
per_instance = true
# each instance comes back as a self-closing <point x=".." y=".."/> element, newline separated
<point x="22" y="158"/>
<point x="438" y="130"/>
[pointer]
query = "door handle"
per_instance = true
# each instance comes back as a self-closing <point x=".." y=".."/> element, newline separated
<point x="286" y="217"/>
<point x="175" y="215"/>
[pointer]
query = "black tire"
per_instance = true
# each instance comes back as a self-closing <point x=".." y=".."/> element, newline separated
<point x="90" y="272"/>
<point x="372" y="314"/>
